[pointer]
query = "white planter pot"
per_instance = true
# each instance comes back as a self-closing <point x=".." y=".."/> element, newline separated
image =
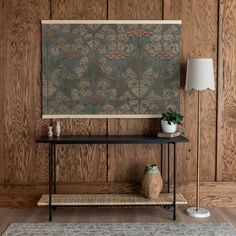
<point x="166" y="128"/>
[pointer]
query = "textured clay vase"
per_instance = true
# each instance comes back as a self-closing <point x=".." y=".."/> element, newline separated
<point x="152" y="182"/>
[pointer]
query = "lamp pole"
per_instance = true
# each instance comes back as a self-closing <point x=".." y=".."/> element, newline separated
<point x="198" y="152"/>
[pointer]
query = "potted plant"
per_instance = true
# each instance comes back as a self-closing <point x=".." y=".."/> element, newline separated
<point x="170" y="120"/>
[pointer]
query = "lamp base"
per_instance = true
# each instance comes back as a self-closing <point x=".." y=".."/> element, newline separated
<point x="200" y="213"/>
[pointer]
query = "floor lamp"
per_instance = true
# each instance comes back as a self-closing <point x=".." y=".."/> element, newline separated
<point x="200" y="76"/>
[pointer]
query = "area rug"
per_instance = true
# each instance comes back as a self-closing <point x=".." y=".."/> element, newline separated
<point x="123" y="229"/>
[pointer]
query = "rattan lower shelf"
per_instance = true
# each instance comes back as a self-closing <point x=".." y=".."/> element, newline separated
<point x="110" y="200"/>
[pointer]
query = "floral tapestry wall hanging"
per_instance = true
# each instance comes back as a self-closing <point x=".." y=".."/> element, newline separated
<point x="110" y="68"/>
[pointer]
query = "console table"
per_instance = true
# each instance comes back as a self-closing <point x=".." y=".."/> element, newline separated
<point x="53" y="199"/>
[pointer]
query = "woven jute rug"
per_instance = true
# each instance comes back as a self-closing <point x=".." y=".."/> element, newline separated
<point x="129" y="229"/>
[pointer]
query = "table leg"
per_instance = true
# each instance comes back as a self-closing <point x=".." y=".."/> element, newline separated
<point x="55" y="169"/>
<point x="50" y="183"/>
<point x="168" y="166"/>
<point x="174" y="203"/>
<point x="168" y="207"/>
<point x="54" y="172"/>
<point x="161" y="160"/>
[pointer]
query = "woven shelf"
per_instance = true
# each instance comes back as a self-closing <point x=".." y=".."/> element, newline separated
<point x="110" y="200"/>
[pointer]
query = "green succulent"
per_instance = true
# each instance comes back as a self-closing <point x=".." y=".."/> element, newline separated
<point x="173" y="116"/>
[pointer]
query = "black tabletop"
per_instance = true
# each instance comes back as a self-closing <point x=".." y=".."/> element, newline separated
<point x="111" y="139"/>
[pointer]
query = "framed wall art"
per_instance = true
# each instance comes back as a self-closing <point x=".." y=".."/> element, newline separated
<point x="110" y="68"/>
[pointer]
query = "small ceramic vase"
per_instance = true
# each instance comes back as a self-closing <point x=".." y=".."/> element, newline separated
<point x="152" y="182"/>
<point x="58" y="129"/>
<point x="50" y="132"/>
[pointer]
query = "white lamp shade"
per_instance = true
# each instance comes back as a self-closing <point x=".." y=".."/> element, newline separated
<point x="200" y="74"/>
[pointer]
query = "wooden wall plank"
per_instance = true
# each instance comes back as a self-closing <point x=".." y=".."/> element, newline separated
<point x="2" y="89"/>
<point x="134" y="9"/>
<point x="40" y="167"/>
<point x="81" y="163"/>
<point x="21" y="73"/>
<point x="226" y="165"/>
<point x="199" y="39"/>
<point x="127" y="162"/>
<point x="79" y="9"/>
<point x="213" y="194"/>
<point x="208" y="43"/>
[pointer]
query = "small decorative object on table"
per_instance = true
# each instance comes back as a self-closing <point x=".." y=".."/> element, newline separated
<point x="170" y="120"/>
<point x="58" y="129"/>
<point x="152" y="182"/>
<point x="169" y="135"/>
<point x="50" y="132"/>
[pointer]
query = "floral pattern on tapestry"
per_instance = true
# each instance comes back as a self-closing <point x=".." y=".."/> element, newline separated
<point x="110" y="69"/>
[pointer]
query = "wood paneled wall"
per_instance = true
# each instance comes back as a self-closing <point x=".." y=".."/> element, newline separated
<point x="207" y="31"/>
<point x="21" y="79"/>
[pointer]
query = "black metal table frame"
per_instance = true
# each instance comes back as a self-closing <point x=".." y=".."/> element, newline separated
<point x="53" y="178"/>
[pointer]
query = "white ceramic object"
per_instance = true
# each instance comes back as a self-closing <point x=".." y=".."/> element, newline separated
<point x="166" y="128"/>
<point x="200" y="213"/>
<point x="58" y="129"/>
<point x="50" y="132"/>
